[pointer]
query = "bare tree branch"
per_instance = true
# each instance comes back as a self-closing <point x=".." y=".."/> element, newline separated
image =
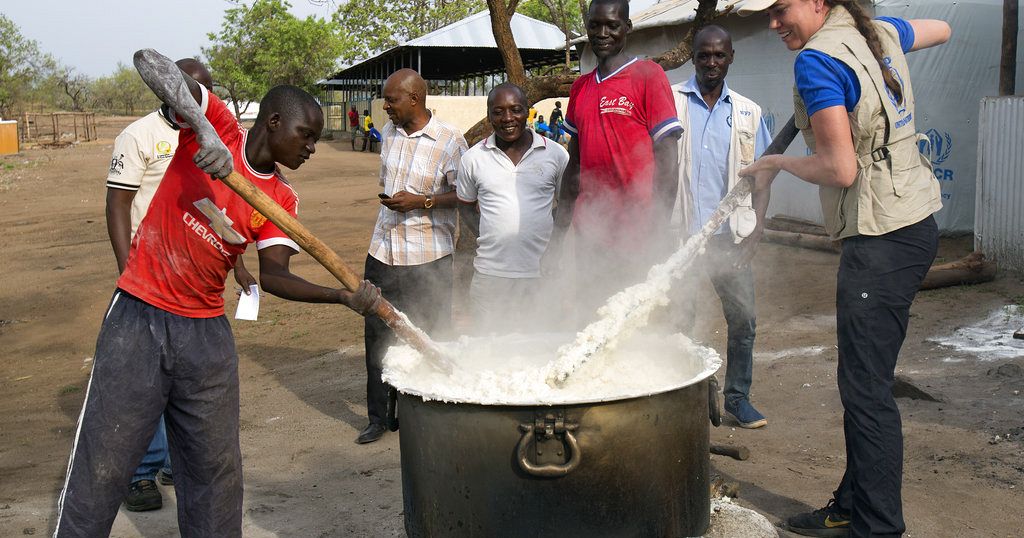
<point x="681" y="53"/>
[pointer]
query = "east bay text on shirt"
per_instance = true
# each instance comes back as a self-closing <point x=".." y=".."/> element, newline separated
<point x="613" y="105"/>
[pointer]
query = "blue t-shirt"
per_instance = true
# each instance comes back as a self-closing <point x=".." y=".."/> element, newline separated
<point x="823" y="81"/>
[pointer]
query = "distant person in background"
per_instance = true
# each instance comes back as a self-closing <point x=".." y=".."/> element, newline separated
<point x="531" y="118"/>
<point x="541" y="127"/>
<point x="555" y="130"/>
<point x="367" y="126"/>
<point x="556" y="117"/>
<point x="141" y="155"/>
<point x="353" y="120"/>
<point x="506" y="188"/>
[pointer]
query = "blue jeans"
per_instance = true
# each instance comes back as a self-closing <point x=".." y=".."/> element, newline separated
<point x="735" y="288"/>
<point x="156" y="457"/>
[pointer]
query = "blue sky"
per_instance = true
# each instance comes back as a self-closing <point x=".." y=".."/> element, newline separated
<point x="94" y="35"/>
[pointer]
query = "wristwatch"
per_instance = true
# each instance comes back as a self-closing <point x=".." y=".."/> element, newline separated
<point x="429" y="202"/>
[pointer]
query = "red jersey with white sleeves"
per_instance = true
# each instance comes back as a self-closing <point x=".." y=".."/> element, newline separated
<point x="196" y="227"/>
<point x="616" y="120"/>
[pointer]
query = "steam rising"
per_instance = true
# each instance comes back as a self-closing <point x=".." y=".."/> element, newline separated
<point x="631" y="308"/>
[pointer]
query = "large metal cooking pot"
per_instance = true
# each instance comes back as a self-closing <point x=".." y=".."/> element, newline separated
<point x="623" y="468"/>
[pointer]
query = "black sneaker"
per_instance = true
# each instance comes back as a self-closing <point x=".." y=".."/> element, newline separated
<point x="143" y="496"/>
<point x="827" y="521"/>
<point x="165" y="478"/>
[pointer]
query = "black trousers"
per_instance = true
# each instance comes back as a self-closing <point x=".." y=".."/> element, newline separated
<point x="151" y="362"/>
<point x="424" y="293"/>
<point x="878" y="279"/>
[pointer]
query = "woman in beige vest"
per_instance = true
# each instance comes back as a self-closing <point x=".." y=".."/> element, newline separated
<point x="854" y="104"/>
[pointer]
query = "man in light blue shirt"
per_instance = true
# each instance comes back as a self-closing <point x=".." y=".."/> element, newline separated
<point x="723" y="132"/>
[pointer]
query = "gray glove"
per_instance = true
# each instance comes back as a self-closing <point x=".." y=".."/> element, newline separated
<point x="213" y="156"/>
<point x="366" y="299"/>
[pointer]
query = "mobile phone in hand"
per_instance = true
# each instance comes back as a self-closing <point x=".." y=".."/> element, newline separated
<point x="383" y="196"/>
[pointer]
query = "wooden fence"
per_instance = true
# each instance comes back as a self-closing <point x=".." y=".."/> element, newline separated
<point x="57" y="127"/>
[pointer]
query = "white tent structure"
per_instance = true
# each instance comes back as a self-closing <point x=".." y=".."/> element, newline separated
<point x="949" y="82"/>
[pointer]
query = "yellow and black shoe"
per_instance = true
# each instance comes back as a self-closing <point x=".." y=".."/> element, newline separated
<point x="828" y="521"/>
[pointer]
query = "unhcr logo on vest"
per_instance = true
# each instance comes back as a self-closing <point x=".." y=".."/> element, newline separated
<point x="938" y="147"/>
<point x="901" y="106"/>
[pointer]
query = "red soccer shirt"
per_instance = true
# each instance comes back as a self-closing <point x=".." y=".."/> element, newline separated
<point x="196" y="227"/>
<point x="616" y="120"/>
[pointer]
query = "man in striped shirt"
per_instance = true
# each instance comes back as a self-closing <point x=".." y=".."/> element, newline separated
<point x="410" y="256"/>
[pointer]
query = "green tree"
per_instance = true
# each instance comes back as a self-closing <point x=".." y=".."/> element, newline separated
<point x="263" y="45"/>
<point x="22" y="67"/>
<point x="371" y="27"/>
<point x="133" y="95"/>
<point x="565" y="14"/>
<point x="103" y="94"/>
<point x="122" y="92"/>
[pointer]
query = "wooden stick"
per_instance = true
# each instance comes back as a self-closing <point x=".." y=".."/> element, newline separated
<point x="740" y="453"/>
<point x="802" y="240"/>
<point x="971" y="269"/>
<point x="316" y="248"/>
<point x="784" y="223"/>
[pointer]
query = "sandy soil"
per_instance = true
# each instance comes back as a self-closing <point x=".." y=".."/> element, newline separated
<point x="302" y="376"/>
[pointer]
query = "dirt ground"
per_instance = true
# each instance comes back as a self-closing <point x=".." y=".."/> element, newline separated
<point x="302" y="375"/>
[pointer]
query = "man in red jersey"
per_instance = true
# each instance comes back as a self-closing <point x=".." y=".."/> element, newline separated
<point x="165" y="347"/>
<point x="620" y="185"/>
<point x="353" y="120"/>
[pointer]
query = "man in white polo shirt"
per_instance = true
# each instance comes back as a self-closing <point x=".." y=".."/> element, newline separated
<point x="507" y="184"/>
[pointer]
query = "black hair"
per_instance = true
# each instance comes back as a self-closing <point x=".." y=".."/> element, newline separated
<point x="288" y="101"/>
<point x="712" y="29"/>
<point x="623" y="6"/>
<point x="509" y="86"/>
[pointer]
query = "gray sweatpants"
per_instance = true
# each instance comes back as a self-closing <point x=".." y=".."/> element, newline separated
<point x="149" y="361"/>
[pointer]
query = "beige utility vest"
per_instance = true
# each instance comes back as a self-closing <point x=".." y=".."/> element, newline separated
<point x="894" y="186"/>
<point x="746" y="118"/>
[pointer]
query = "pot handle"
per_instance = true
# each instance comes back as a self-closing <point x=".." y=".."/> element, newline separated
<point x="714" y="412"/>
<point x="550" y="470"/>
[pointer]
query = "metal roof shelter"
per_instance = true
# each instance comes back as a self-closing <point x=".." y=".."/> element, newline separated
<point x="462" y="50"/>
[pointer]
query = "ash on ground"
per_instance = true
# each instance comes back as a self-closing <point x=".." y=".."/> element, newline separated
<point x="991" y="338"/>
<point x="730" y="520"/>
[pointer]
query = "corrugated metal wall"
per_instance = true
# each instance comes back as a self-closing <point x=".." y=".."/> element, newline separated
<point x="999" y="201"/>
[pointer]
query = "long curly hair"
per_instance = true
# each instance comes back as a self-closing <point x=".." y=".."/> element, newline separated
<point x="867" y="29"/>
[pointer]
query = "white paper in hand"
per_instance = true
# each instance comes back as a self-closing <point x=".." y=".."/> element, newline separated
<point x="249" y="305"/>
